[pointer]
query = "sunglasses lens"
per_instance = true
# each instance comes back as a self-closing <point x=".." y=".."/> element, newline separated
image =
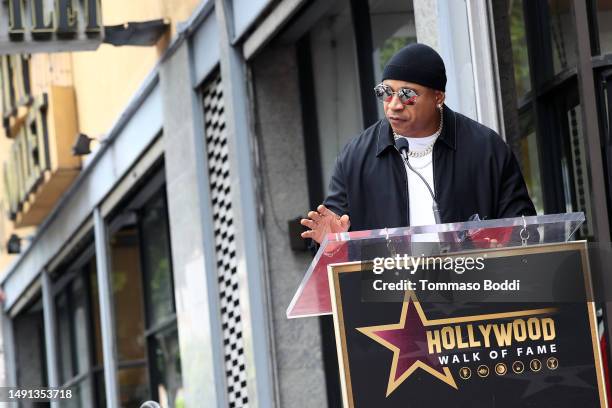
<point x="383" y="93"/>
<point x="407" y="96"/>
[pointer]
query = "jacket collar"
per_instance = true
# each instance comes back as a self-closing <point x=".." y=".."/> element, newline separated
<point x="448" y="135"/>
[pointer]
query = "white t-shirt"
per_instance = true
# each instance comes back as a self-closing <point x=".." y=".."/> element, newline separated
<point x="421" y="202"/>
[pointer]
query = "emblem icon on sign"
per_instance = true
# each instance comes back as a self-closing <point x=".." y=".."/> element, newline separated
<point x="535" y="365"/>
<point x="483" y="371"/>
<point x="501" y="369"/>
<point x="518" y="367"/>
<point x="552" y="363"/>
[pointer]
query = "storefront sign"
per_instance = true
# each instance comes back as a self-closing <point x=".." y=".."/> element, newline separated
<point x="30" y="26"/>
<point x="29" y="157"/>
<point x="41" y="165"/>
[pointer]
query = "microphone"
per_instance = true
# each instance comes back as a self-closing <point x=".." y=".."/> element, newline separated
<point x="403" y="147"/>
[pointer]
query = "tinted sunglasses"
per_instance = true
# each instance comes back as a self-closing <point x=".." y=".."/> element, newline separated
<point x="385" y="93"/>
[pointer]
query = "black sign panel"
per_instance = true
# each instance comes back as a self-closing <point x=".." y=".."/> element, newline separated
<point x="413" y="353"/>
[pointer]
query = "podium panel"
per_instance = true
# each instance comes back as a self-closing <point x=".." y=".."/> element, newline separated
<point x="312" y="297"/>
<point x="520" y="331"/>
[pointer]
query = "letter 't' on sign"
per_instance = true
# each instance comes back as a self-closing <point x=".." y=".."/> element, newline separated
<point x="42" y="20"/>
<point x="92" y="16"/>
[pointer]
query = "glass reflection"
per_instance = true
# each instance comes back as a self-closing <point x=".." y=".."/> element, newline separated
<point x="129" y="316"/>
<point x="520" y="57"/>
<point x="79" y="335"/>
<point x="604" y="24"/>
<point x="530" y="162"/>
<point x="156" y="262"/>
<point x="562" y="34"/>
<point x="65" y="348"/>
<point x="81" y="325"/>
<point x="133" y="389"/>
<point x="392" y="29"/>
<point x="167" y="368"/>
<point x="127" y="295"/>
<point x="144" y="313"/>
<point x="30" y="356"/>
<point x="581" y="185"/>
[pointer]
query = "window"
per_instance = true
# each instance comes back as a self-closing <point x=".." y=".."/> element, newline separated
<point x="518" y="37"/>
<point x="162" y="334"/>
<point x="551" y="144"/>
<point x="79" y="338"/>
<point x="30" y="359"/>
<point x="129" y="316"/>
<point x="339" y="83"/>
<point x="392" y="29"/>
<point x="143" y="297"/>
<point x="604" y="24"/>
<point x="562" y="34"/>
<point x="335" y="74"/>
<point x="530" y="161"/>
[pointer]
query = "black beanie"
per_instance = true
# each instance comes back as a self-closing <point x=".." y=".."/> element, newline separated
<point x="417" y="63"/>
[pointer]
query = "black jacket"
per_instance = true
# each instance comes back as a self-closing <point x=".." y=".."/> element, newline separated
<point x="474" y="170"/>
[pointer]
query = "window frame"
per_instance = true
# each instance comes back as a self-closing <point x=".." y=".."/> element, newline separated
<point x="151" y="330"/>
<point x="129" y="213"/>
<point x="593" y="66"/>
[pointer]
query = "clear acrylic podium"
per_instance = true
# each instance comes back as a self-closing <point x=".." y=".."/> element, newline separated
<point x="313" y="296"/>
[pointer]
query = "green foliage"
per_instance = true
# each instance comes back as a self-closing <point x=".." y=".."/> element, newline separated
<point x="391" y="46"/>
<point x="519" y="48"/>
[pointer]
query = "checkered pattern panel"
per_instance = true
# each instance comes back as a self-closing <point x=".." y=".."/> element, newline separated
<point x="225" y="245"/>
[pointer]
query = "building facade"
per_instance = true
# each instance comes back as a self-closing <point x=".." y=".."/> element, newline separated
<point x="160" y="265"/>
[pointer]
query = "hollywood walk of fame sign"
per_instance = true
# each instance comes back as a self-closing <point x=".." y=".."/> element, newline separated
<point x="413" y="353"/>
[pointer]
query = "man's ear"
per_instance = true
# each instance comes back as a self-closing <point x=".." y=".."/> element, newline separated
<point x="440" y="97"/>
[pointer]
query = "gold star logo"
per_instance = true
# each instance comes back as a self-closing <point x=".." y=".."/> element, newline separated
<point x="403" y="341"/>
<point x="407" y="339"/>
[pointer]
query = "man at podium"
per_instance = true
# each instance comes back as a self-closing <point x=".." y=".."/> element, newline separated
<point x="422" y="164"/>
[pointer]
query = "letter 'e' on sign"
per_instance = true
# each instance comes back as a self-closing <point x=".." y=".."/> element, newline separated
<point x="34" y="26"/>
